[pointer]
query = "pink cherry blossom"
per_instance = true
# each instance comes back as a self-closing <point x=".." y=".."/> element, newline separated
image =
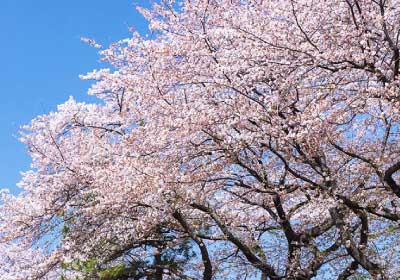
<point x="247" y="139"/>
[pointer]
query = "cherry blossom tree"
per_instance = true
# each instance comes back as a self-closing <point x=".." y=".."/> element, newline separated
<point x="245" y="139"/>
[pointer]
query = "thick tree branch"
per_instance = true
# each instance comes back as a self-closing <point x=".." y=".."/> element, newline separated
<point x="251" y="257"/>
<point x="208" y="272"/>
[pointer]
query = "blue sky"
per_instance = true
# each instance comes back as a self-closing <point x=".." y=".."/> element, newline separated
<point x="42" y="56"/>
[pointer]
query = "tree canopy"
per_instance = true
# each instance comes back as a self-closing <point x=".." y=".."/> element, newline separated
<point x="244" y="139"/>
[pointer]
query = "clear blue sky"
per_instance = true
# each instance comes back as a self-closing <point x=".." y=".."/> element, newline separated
<point x="42" y="55"/>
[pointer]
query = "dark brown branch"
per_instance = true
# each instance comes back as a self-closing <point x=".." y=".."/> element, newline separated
<point x="251" y="257"/>
<point x="207" y="274"/>
<point x="389" y="179"/>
